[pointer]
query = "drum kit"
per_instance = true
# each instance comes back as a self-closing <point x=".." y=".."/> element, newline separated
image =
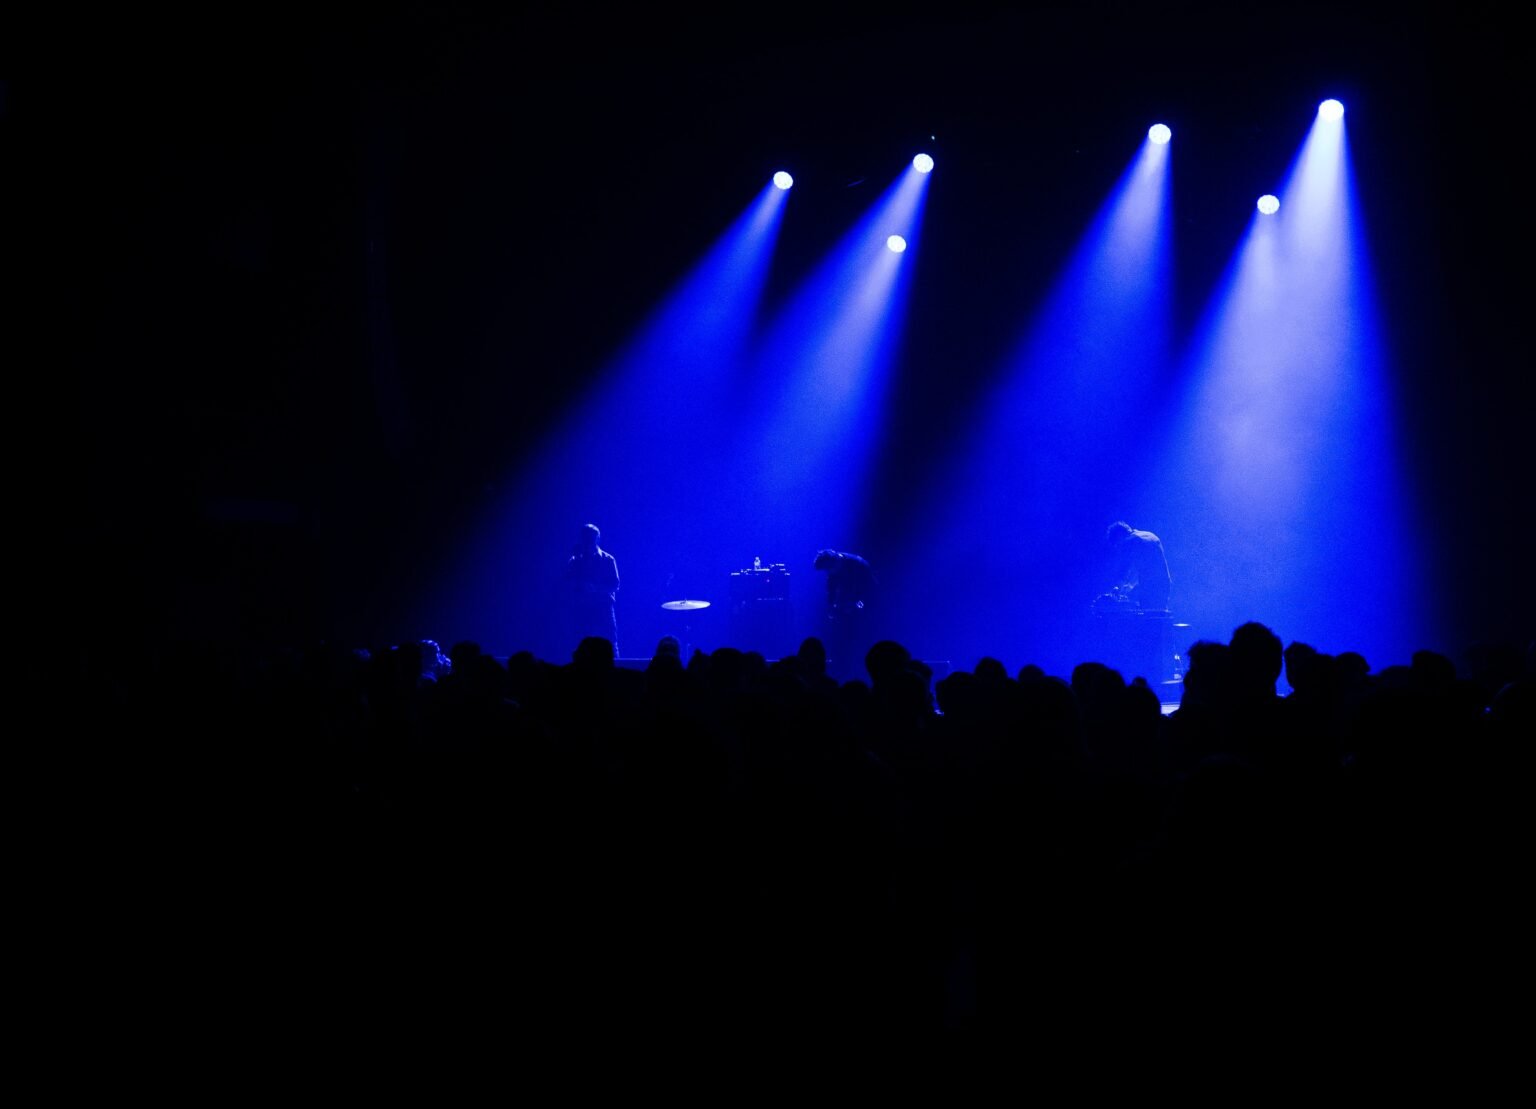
<point x="687" y="608"/>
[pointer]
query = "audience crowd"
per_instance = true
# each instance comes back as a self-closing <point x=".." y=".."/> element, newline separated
<point x="728" y="846"/>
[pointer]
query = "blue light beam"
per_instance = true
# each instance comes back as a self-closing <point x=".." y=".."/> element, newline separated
<point x="630" y="457"/>
<point x="1044" y="465"/>
<point x="822" y="371"/>
<point x="1281" y="500"/>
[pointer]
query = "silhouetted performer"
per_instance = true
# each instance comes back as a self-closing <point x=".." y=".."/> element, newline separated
<point x="1140" y="567"/>
<point x="592" y="581"/>
<point x="849" y="585"/>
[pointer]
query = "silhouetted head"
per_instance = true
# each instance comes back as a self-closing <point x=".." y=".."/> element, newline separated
<point x="434" y="664"/>
<point x="1433" y="672"/>
<point x="1305" y="668"/>
<point x="593" y="653"/>
<point x="463" y="654"/>
<point x="825" y="560"/>
<point x="1257" y="657"/>
<point x="957" y="693"/>
<point x="587" y="537"/>
<point x="1118" y="532"/>
<point x="991" y="670"/>
<point x="1208" y="679"/>
<point x="727" y="667"/>
<point x="1093" y="683"/>
<point x="670" y="646"/>
<point x="885" y="660"/>
<point x="1353" y="667"/>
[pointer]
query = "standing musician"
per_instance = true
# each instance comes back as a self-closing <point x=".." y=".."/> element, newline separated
<point x="850" y="582"/>
<point x="592" y="585"/>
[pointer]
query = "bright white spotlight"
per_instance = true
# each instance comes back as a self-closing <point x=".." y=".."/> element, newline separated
<point x="1159" y="133"/>
<point x="895" y="244"/>
<point x="922" y="163"/>
<point x="783" y="180"/>
<point x="1330" y="110"/>
<point x="1269" y="204"/>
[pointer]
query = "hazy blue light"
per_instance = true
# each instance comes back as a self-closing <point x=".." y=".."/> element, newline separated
<point x="1159" y="133"/>
<point x="922" y="163"/>
<point x="783" y="180"/>
<point x="1280" y="496"/>
<point x="813" y="403"/>
<point x="896" y="244"/>
<point x="997" y="552"/>
<point x="1269" y="204"/>
<point x="654" y="418"/>
<point x="1330" y="110"/>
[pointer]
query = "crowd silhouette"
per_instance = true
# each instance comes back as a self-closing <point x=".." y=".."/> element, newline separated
<point x="733" y="846"/>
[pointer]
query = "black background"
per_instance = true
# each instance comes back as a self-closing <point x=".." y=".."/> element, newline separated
<point x="292" y="288"/>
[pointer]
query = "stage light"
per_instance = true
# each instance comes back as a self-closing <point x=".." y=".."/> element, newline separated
<point x="783" y="180"/>
<point x="1159" y="133"/>
<point x="922" y="163"/>
<point x="1269" y="204"/>
<point x="1330" y="110"/>
<point x="895" y="244"/>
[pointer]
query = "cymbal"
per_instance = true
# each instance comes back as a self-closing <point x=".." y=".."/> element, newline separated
<point x="684" y="606"/>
